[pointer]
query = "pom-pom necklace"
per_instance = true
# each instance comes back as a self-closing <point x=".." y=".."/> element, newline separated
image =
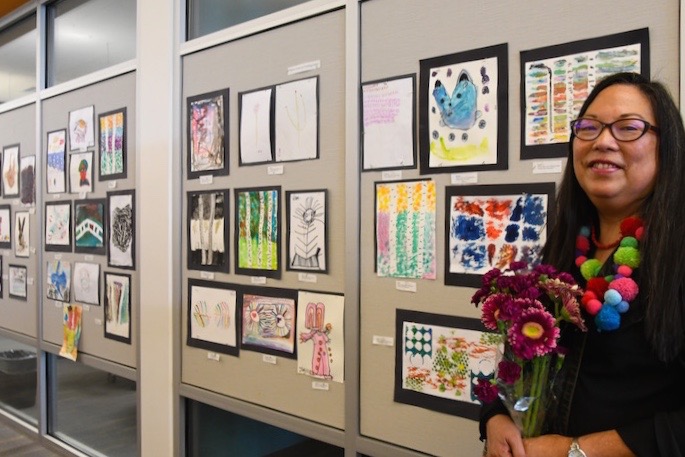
<point x="608" y="297"/>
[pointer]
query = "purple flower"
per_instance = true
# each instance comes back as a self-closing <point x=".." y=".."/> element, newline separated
<point x="515" y="266"/>
<point x="485" y="391"/>
<point x="492" y="309"/>
<point x="488" y="280"/>
<point x="545" y="269"/>
<point x="566" y="277"/>
<point x="533" y="334"/>
<point x="508" y="372"/>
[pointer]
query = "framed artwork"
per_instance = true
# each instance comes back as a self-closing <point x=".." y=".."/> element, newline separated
<point x="59" y="280"/>
<point x="405" y="229"/>
<point x="258" y="231"/>
<point x="56" y="174"/>
<point x="208" y="223"/>
<point x="27" y="180"/>
<point x="81" y="172"/>
<point x="118" y="307"/>
<point x="256" y="132"/>
<point x="81" y="129"/>
<point x="86" y="283"/>
<point x="389" y="123"/>
<point x="268" y="321"/>
<point x="463" y="121"/>
<point x="307" y="240"/>
<point x="112" y="136"/>
<point x="71" y="330"/>
<point x="5" y="226"/>
<point x="90" y="225"/>
<point x="207" y="143"/>
<point x="213" y="319"/>
<point x="2" y="282"/>
<point x="439" y="360"/>
<point x="121" y="233"/>
<point x="17" y="278"/>
<point x="58" y="226"/>
<point x="556" y="81"/>
<point x="22" y="229"/>
<point x="491" y="226"/>
<point x="296" y="115"/>
<point x="10" y="171"/>
<point x="320" y="341"/>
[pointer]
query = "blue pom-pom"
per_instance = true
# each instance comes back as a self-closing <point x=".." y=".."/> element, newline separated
<point x="607" y="319"/>
<point x="622" y="307"/>
<point x="585" y="231"/>
<point x="612" y="297"/>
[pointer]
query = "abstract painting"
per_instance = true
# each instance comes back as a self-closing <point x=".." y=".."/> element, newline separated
<point x="56" y="162"/>
<point x="297" y="120"/>
<point x="58" y="226"/>
<point x="268" y="321"/>
<point x="71" y="328"/>
<point x="58" y="280"/>
<point x="81" y="172"/>
<point x="118" y="307"/>
<point x="208" y="223"/>
<point x="27" y="180"/>
<point x="213" y="319"/>
<point x="491" y="226"/>
<point x="307" y="242"/>
<point x="405" y="229"/>
<point x="81" y="129"/>
<point x="256" y="126"/>
<point x="86" y="283"/>
<point x="112" y="144"/>
<point x="464" y="111"/>
<point x="90" y="226"/>
<point x="22" y="229"/>
<point x="10" y="171"/>
<point x="121" y="232"/>
<point x="258" y="231"/>
<point x="207" y="120"/>
<point x="5" y="226"/>
<point x="18" y="278"/>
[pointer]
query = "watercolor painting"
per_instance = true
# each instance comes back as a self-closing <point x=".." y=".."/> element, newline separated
<point x="307" y="227"/>
<point x="90" y="226"/>
<point x="81" y="172"/>
<point x="56" y="175"/>
<point x="86" y="283"/>
<point x="71" y="331"/>
<point x="22" y="230"/>
<point x="58" y="226"/>
<point x="256" y="126"/>
<point x="27" y="180"/>
<point x="297" y="120"/>
<point x="213" y="321"/>
<point x="258" y="231"/>
<point x="208" y="225"/>
<point x="389" y="123"/>
<point x="10" y="171"/>
<point x="268" y="321"/>
<point x="58" y="280"/>
<point x="121" y="231"/>
<point x="207" y="120"/>
<point x="112" y="144"/>
<point x="81" y="129"/>
<point x="5" y="226"/>
<point x="463" y="111"/>
<point x="18" y="275"/>
<point x="491" y="226"/>
<point x="405" y="229"/>
<point x="118" y="307"/>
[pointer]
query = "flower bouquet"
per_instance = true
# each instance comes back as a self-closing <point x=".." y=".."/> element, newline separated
<point x="525" y="307"/>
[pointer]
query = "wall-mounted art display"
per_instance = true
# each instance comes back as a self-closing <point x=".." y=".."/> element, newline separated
<point x="463" y="111"/>
<point x="22" y="230"/>
<point x="307" y="214"/>
<point x="112" y="144"/>
<point x="213" y="318"/>
<point x="258" y="231"/>
<point x="27" y="180"/>
<point x="10" y="171"/>
<point x="556" y="80"/>
<point x="207" y="134"/>
<point x="58" y="280"/>
<point x="321" y="343"/>
<point x="18" y="276"/>
<point x="121" y="232"/>
<point x="256" y="126"/>
<point x="71" y="330"/>
<point x="2" y="282"/>
<point x="491" y="226"/>
<point x="297" y="120"/>
<point x="81" y="172"/>
<point x="5" y="226"/>
<point x="389" y="123"/>
<point x="58" y="226"/>
<point x="90" y="226"/>
<point x="439" y="360"/>
<point x="268" y="321"/>
<point x="118" y="307"/>
<point x="86" y="282"/>
<point x="405" y="229"/>
<point x="56" y="176"/>
<point x="208" y="223"/>
<point x="81" y="128"/>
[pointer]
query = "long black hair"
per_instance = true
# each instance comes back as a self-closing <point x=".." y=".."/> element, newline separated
<point x="662" y="269"/>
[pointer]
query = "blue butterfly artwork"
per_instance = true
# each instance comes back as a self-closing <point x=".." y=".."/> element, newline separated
<point x="459" y="110"/>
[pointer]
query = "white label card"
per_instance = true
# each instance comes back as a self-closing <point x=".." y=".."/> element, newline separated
<point x="272" y="359"/>
<point x="97" y="321"/>
<point x="258" y="279"/>
<point x="57" y="196"/>
<point x="405" y="286"/>
<point x="89" y="257"/>
<point x="206" y="275"/>
<point x="86" y="308"/>
<point x="29" y="281"/>
<point x="82" y="195"/>
<point x="462" y="179"/>
<point x="383" y="340"/>
<point x="213" y="356"/>
<point x="58" y="256"/>
<point x="546" y="167"/>
<point x="112" y="185"/>
<point x="304" y="67"/>
<point x="206" y="179"/>
<point x="391" y="175"/>
<point x="274" y="170"/>
<point x="307" y="277"/>
<point x="319" y="385"/>
<point x="32" y="210"/>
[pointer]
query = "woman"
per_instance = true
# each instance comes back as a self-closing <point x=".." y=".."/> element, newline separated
<point x="623" y="385"/>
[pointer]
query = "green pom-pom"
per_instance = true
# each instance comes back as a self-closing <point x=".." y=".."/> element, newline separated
<point x="627" y="256"/>
<point x="629" y="242"/>
<point x="590" y="268"/>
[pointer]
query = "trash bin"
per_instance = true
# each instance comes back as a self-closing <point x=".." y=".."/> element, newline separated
<point x="18" y="378"/>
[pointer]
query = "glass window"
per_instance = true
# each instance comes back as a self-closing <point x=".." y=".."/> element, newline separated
<point x="207" y="16"/>
<point x="18" y="59"/>
<point x="18" y="379"/>
<point x="84" y="36"/>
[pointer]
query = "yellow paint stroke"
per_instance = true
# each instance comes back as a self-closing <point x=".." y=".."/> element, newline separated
<point x="459" y="153"/>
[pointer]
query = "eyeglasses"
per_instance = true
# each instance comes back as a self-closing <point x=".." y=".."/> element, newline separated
<point x="622" y="129"/>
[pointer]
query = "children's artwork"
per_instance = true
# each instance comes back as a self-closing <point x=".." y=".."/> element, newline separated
<point x="2" y="282"/>
<point x="207" y="118"/>
<point x="439" y="360"/>
<point x="297" y="120"/>
<point x="5" y="226"/>
<point x="405" y="229"/>
<point x="307" y="241"/>
<point x="86" y="283"/>
<point x="208" y="225"/>
<point x="81" y="172"/>
<point x="389" y="123"/>
<point x="213" y="319"/>
<point x="112" y="144"/>
<point x="22" y="230"/>
<point x="258" y="231"/>
<point x="118" y="307"/>
<point x="90" y="225"/>
<point x="27" y="180"/>
<point x="556" y="80"/>
<point x="81" y="129"/>
<point x="17" y="277"/>
<point x="268" y="321"/>
<point x="58" y="226"/>
<point x="491" y="226"/>
<point x="58" y="280"/>
<point x="463" y="111"/>
<point x="256" y="126"/>
<point x="121" y="233"/>
<point x="10" y="171"/>
<point x="56" y="162"/>
<point x="71" y="324"/>
<point x="320" y="342"/>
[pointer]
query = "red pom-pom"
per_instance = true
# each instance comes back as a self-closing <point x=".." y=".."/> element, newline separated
<point x="587" y="296"/>
<point x="639" y="233"/>
<point x="629" y="225"/>
<point x="593" y="306"/>
<point x="580" y="260"/>
<point x="624" y="270"/>
<point x="626" y="287"/>
<point x="598" y="286"/>
<point x="582" y="243"/>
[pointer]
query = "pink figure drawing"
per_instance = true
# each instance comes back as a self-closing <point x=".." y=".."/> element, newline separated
<point x="318" y="333"/>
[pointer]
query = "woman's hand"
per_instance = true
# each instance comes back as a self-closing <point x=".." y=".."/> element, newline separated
<point x="547" y="446"/>
<point x="504" y="438"/>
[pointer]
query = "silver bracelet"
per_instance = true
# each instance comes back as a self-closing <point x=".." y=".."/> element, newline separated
<point x="575" y="450"/>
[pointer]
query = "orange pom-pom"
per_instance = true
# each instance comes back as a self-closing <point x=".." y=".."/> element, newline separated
<point x="629" y="225"/>
<point x="593" y="306"/>
<point x="598" y="286"/>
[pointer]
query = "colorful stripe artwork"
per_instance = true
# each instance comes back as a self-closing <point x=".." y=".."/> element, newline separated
<point x="258" y="241"/>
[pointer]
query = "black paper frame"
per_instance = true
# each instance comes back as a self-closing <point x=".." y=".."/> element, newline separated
<point x="193" y="262"/>
<point x="237" y="322"/>
<point x="224" y="169"/>
<point x="132" y="194"/>
<point x="124" y="153"/>
<point x="288" y="210"/>
<point x="59" y="247"/>
<point x="100" y="250"/>
<point x="110" y="335"/>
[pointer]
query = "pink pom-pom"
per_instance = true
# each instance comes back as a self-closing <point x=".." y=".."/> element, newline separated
<point x="587" y="296"/>
<point x="593" y="306"/>
<point x="582" y="243"/>
<point x="624" y="270"/>
<point x="580" y="260"/>
<point x="639" y="233"/>
<point x="626" y="287"/>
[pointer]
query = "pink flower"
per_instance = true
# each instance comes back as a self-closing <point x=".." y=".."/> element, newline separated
<point x="485" y="391"/>
<point x="508" y="372"/>
<point x="533" y="334"/>
<point x="491" y="311"/>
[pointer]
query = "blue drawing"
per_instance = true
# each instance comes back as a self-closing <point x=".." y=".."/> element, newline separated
<point x="458" y="111"/>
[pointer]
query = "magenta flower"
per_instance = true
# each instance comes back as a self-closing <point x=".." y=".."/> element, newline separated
<point x="491" y="310"/>
<point x="508" y="372"/>
<point x="485" y="391"/>
<point x="533" y="334"/>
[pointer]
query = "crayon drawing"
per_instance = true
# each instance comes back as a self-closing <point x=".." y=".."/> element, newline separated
<point x="208" y="230"/>
<point x="22" y="230"/>
<point x="118" y="307"/>
<point x="56" y="169"/>
<point x="212" y="322"/>
<point x="86" y="283"/>
<point x="27" y="181"/>
<point x="321" y="344"/>
<point x="112" y="144"/>
<point x="268" y="321"/>
<point x="57" y="226"/>
<point x="256" y="126"/>
<point x="71" y="324"/>
<point x="257" y="231"/>
<point x="207" y="134"/>
<point x="307" y="243"/>
<point x="58" y="280"/>
<point x="10" y="171"/>
<point x="81" y="129"/>
<point x="297" y="120"/>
